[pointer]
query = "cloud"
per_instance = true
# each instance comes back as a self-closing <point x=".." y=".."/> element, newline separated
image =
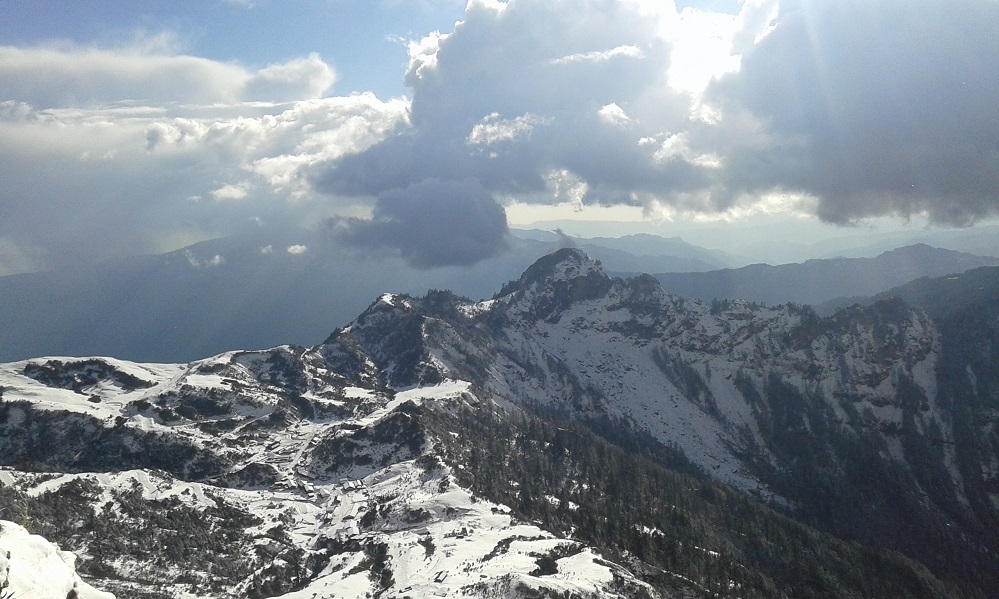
<point x="873" y="108"/>
<point x="846" y="109"/>
<point x="50" y="77"/>
<point x="214" y="262"/>
<point x="53" y="77"/>
<point x="229" y="193"/>
<point x="295" y="80"/>
<point x="524" y="89"/>
<point x="600" y="55"/>
<point x="93" y="173"/>
<point x="855" y="109"/>
<point x="493" y="130"/>
<point x="19" y="256"/>
<point x="612" y="114"/>
<point x="297" y="250"/>
<point x="432" y="223"/>
<point x="12" y="111"/>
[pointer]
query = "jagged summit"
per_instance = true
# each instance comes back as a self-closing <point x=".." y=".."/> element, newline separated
<point x="565" y="264"/>
<point x="555" y="282"/>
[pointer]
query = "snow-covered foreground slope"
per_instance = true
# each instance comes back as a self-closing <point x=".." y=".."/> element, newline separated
<point x="338" y="504"/>
<point x="33" y="568"/>
<point x="400" y="531"/>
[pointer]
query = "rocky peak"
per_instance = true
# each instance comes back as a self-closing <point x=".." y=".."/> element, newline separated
<point x="556" y="281"/>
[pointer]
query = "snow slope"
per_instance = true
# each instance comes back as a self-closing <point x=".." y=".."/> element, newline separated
<point x="33" y="568"/>
<point x="334" y="504"/>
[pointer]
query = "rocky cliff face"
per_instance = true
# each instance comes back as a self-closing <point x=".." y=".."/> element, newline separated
<point x="843" y="420"/>
<point x="716" y="380"/>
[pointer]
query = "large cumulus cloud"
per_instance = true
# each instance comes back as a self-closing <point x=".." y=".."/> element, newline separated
<point x="846" y="109"/>
<point x="524" y="93"/>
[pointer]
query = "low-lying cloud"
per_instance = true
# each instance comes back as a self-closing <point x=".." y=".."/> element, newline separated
<point x="431" y="223"/>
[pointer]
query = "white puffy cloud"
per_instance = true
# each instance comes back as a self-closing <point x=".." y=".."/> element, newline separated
<point x="612" y="114"/>
<point x="295" y="80"/>
<point x="567" y="188"/>
<point x="539" y="101"/>
<point x="298" y="250"/>
<point x="669" y="147"/>
<point x="535" y="83"/>
<point x="493" y="130"/>
<point x="228" y="193"/>
<point x="54" y="77"/>
<point x="109" y="152"/>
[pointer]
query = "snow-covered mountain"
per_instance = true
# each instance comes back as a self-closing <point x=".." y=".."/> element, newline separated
<point x="577" y="435"/>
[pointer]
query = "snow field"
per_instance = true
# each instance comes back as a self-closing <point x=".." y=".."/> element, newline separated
<point x="37" y="569"/>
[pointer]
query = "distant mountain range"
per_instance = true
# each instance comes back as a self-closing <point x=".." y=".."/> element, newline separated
<point x="638" y="253"/>
<point x="818" y="281"/>
<point x="288" y="285"/>
<point x="782" y="241"/>
<point x="255" y="291"/>
<point x="941" y="297"/>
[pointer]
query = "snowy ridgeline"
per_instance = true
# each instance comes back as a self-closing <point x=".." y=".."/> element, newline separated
<point x="33" y="568"/>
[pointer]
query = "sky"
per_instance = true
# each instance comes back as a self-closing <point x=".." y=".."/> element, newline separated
<point x="429" y="127"/>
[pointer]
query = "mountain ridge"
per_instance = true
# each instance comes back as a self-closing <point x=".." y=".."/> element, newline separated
<point x="820" y="280"/>
<point x="262" y="289"/>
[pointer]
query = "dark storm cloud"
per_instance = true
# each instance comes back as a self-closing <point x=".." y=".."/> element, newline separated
<point x="875" y="108"/>
<point x="432" y="223"/>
